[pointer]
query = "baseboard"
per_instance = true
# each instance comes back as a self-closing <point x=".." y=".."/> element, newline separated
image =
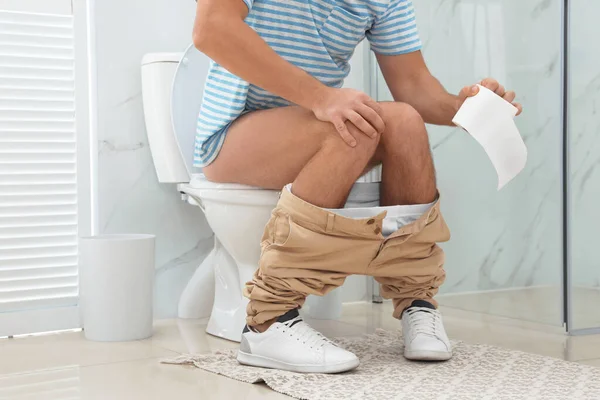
<point x="39" y="321"/>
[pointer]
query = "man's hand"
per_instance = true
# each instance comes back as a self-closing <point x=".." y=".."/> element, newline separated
<point x="494" y="86"/>
<point x="340" y="105"/>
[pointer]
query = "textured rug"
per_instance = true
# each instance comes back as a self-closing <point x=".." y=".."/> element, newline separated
<point x="475" y="372"/>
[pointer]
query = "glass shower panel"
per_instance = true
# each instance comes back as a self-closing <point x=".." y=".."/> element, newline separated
<point x="584" y="163"/>
<point x="505" y="257"/>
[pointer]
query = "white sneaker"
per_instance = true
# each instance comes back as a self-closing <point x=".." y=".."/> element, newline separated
<point x="425" y="338"/>
<point x="291" y="344"/>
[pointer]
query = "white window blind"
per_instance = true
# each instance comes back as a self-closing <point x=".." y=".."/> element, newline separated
<point x="38" y="173"/>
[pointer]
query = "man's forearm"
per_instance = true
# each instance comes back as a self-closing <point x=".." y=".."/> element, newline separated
<point x="223" y="36"/>
<point x="427" y="95"/>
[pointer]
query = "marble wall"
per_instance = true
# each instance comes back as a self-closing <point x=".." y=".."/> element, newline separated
<point x="130" y="199"/>
<point x="584" y="142"/>
<point x="510" y="238"/>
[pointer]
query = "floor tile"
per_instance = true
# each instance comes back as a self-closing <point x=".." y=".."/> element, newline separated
<point x="148" y="379"/>
<point x="131" y="380"/>
<point x="594" y="363"/>
<point x="338" y="328"/>
<point x="586" y="313"/>
<point x="186" y="336"/>
<point x="537" y="304"/>
<point x="68" y="349"/>
<point x="582" y="347"/>
<point x="47" y="384"/>
<point x="511" y="337"/>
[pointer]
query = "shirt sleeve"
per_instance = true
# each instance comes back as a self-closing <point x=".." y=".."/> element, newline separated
<point x="395" y="31"/>
<point x="248" y="4"/>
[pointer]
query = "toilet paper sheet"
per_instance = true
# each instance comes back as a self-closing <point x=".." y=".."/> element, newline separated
<point x="490" y="120"/>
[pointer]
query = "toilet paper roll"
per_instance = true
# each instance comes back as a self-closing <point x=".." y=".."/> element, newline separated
<point x="490" y="120"/>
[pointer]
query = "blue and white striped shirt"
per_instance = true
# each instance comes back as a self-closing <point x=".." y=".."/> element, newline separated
<point x="318" y="36"/>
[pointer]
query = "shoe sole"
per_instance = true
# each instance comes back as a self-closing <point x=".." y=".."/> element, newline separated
<point x="427" y="355"/>
<point x="265" y="362"/>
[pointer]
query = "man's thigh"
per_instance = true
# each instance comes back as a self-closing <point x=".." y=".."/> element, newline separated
<point x="269" y="148"/>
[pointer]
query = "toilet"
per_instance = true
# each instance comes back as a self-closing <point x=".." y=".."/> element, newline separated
<point x="172" y="86"/>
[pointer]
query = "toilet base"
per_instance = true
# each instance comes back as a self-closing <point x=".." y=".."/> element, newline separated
<point x="227" y="325"/>
<point x="215" y="290"/>
<point x="228" y="315"/>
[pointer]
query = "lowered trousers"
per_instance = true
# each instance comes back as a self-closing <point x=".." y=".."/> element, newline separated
<point x="310" y="250"/>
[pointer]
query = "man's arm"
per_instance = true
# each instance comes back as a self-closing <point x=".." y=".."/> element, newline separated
<point x="221" y="33"/>
<point x="410" y="82"/>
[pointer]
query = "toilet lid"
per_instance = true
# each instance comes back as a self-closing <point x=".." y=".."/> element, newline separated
<point x="186" y="99"/>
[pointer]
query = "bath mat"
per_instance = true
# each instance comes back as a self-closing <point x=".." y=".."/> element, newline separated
<point x="475" y="372"/>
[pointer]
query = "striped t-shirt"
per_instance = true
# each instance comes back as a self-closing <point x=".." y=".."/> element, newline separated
<point x="318" y="36"/>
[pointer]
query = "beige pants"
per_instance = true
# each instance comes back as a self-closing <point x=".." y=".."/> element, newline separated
<point x="310" y="250"/>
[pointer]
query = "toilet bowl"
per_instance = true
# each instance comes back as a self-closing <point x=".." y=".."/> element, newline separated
<point x="237" y="215"/>
<point x="172" y="86"/>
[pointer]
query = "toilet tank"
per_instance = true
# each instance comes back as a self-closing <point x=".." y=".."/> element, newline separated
<point x="158" y="71"/>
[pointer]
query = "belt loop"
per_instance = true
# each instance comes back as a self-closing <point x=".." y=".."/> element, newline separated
<point x="330" y="219"/>
<point x="431" y="214"/>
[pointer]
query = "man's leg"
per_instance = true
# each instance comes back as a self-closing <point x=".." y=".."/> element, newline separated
<point x="408" y="170"/>
<point x="271" y="148"/>
<point x="409" y="265"/>
<point x="409" y="268"/>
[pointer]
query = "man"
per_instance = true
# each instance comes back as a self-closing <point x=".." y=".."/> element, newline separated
<point x="274" y="113"/>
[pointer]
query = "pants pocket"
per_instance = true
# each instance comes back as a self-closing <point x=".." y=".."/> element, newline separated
<point x="277" y="230"/>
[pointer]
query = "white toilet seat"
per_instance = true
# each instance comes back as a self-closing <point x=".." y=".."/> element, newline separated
<point x="364" y="193"/>
<point x="227" y="193"/>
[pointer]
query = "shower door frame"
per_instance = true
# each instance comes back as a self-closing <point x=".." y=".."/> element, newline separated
<point x="566" y="180"/>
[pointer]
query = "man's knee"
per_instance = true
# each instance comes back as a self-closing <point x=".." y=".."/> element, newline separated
<point x="363" y="151"/>
<point x="404" y="127"/>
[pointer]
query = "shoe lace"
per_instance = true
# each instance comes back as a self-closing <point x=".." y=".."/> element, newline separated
<point x="424" y="320"/>
<point x="305" y="333"/>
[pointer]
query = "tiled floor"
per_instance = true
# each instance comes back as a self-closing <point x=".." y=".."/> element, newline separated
<point x="66" y="366"/>
<point x="541" y="304"/>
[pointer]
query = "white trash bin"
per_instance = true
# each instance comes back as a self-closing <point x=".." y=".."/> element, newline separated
<point x="116" y="279"/>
